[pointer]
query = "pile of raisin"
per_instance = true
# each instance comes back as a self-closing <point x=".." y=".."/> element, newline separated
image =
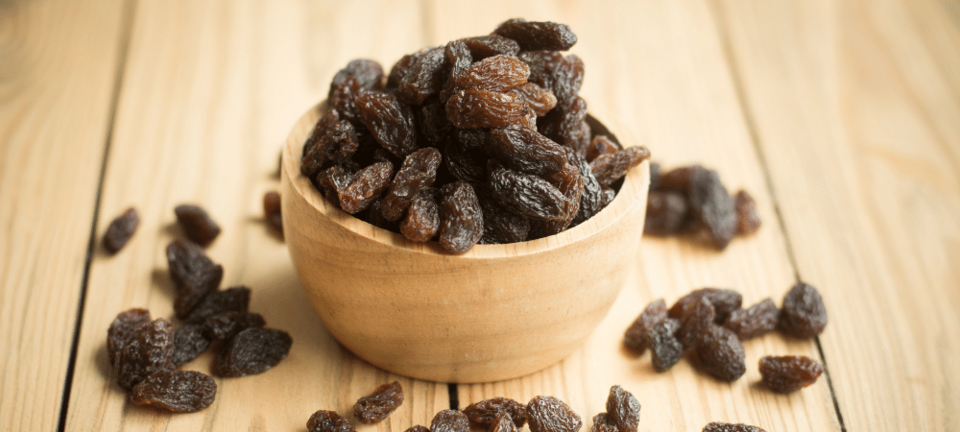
<point x="483" y="140"/>
<point x="692" y="199"/>
<point x="709" y="324"/>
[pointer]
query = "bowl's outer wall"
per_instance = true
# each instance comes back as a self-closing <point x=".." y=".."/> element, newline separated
<point x="495" y="313"/>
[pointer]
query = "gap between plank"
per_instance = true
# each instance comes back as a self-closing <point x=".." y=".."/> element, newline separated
<point x="735" y="75"/>
<point x="129" y="7"/>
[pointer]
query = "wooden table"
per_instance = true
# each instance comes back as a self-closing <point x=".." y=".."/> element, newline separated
<point x="842" y="119"/>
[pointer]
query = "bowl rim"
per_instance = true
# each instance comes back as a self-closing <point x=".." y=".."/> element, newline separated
<point x="631" y="194"/>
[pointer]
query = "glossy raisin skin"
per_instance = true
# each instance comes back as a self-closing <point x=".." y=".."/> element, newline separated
<point x="329" y="421"/>
<point x="253" y="351"/>
<point x="367" y="73"/>
<point x="123" y="327"/>
<point x="730" y="427"/>
<point x="484" y="109"/>
<point x="566" y="78"/>
<point x="148" y="351"/>
<point x="601" y="145"/>
<point x="665" y="349"/>
<point x="197" y="224"/>
<point x="526" y="150"/>
<point x="425" y="77"/>
<point x="724" y="302"/>
<point x="121" y="230"/>
<point x="549" y="414"/>
<point x="450" y="421"/>
<point x="609" y="168"/>
<point x="602" y="424"/>
<point x="461" y="219"/>
<point x="179" y="391"/>
<point x="227" y="325"/>
<point x="748" y="221"/>
<point x="696" y="319"/>
<point x="498" y="73"/>
<point x="376" y="406"/>
<point x="564" y="124"/>
<point x="365" y="187"/>
<point x="271" y="212"/>
<point x="635" y="336"/>
<point x="720" y="354"/>
<point x="803" y="314"/>
<point x="754" y="321"/>
<point x="623" y="410"/>
<point x="526" y="194"/>
<point x="536" y="97"/>
<point x="537" y="35"/>
<point x="423" y="218"/>
<point x="787" y="374"/>
<point x="419" y="170"/>
<point x="667" y="214"/>
<point x="482" y="47"/>
<point x="189" y="342"/>
<point x="500" y="226"/>
<point x="487" y="410"/>
<point x="390" y="121"/>
<point x="234" y="299"/>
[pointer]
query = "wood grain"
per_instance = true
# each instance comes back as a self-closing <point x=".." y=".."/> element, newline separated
<point x="857" y="110"/>
<point x="659" y="67"/>
<point x="210" y="92"/>
<point x="58" y="65"/>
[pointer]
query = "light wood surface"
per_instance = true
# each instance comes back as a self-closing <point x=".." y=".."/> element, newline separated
<point x="841" y="118"/>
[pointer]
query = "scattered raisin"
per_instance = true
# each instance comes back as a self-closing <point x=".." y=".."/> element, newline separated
<point x="609" y="168"/>
<point x="482" y="47"/>
<point x="623" y="410"/>
<point x="635" y="336"/>
<point x="419" y="170"/>
<point x="803" y="314"/>
<point x="120" y="230"/>
<point x="487" y="410"/>
<point x="748" y="221"/>
<point x="537" y="35"/>
<point x="253" y="351"/>
<point x="713" y="207"/>
<point x="379" y="404"/>
<point x="148" y="351"/>
<point x="196" y="288"/>
<point x="450" y="421"/>
<point x="188" y="343"/>
<point x="602" y="424"/>
<point x="720" y="353"/>
<point x="197" y="224"/>
<point x="175" y="391"/>
<point x="696" y="319"/>
<point x="271" y="212"/>
<point x="483" y="108"/>
<point x="235" y="299"/>
<point x="665" y="349"/>
<point x="365" y="187"/>
<point x="423" y="217"/>
<point x="226" y="325"/>
<point x="754" y="321"/>
<point x="194" y="275"/>
<point x="417" y="428"/>
<point x="730" y="427"/>
<point x="329" y="421"/>
<point x="390" y="121"/>
<point x="666" y="213"/>
<point x="787" y="374"/>
<point x="461" y="220"/>
<point x="123" y="327"/>
<point x="724" y="302"/>
<point x="549" y="414"/>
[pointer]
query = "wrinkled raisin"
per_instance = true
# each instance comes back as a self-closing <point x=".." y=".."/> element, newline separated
<point x="623" y="410"/>
<point x="748" y="221"/>
<point x="525" y="150"/>
<point x="503" y="423"/>
<point x="459" y="58"/>
<point x="665" y="349"/>
<point x="271" y="212"/>
<point x="666" y="213"/>
<point x="498" y="73"/>
<point x="538" y="98"/>
<point x="148" y="351"/>
<point x="197" y="224"/>
<point x="120" y="230"/>
<point x="461" y="220"/>
<point x="609" y="168"/>
<point x="720" y="353"/>
<point x="592" y="200"/>
<point x="390" y="121"/>
<point x="434" y="126"/>
<point x="188" y="343"/>
<point x="541" y="63"/>
<point x="564" y="123"/>
<point x="526" y="194"/>
<point x="730" y="427"/>
<point x="599" y="146"/>
<point x="695" y="320"/>
<point x="537" y="35"/>
<point x="179" y="391"/>
<point x="482" y="47"/>
<point x="483" y="108"/>
<point x="194" y="275"/>
<point x="570" y="183"/>
<point x="501" y="226"/>
<point x="724" y="302"/>
<point x="376" y="406"/>
<point x="226" y="325"/>
<point x="803" y="314"/>
<point x="313" y="158"/>
<point x="343" y="100"/>
<point x="679" y="179"/>
<point x="365" y="187"/>
<point x="787" y="374"/>
<point x="713" y="207"/>
<point x="754" y="321"/>
<point x="122" y="329"/>
<point x="635" y="336"/>
<point x="423" y="217"/>
<point x="566" y="79"/>
<point x="450" y="421"/>
<point x="419" y="170"/>
<point x="466" y="164"/>
<point x="333" y="181"/>
<point x="602" y="424"/>
<point x="549" y="414"/>
<point x="235" y="299"/>
<point x="253" y="351"/>
<point x="329" y="421"/>
<point x="486" y="411"/>
<point x="367" y="73"/>
<point x="402" y="67"/>
<point x="425" y="77"/>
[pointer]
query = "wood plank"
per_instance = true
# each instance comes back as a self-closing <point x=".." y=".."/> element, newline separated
<point x="57" y="75"/>
<point x="210" y="92"/>
<point x="856" y="107"/>
<point x="658" y="67"/>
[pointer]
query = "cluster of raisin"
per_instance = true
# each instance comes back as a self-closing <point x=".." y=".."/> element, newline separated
<point x="708" y="325"/>
<point x="483" y="140"/>
<point x="145" y="353"/>
<point x="692" y="199"/>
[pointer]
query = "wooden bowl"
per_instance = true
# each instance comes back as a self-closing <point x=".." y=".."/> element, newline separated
<point x="494" y="313"/>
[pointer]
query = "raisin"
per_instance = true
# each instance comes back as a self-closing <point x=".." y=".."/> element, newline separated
<point x="226" y="325"/>
<point x="253" y="351"/>
<point x="188" y="343"/>
<point x="609" y="168"/>
<point x="563" y="124"/>
<point x="197" y="224"/>
<point x="365" y="187"/>
<point x="787" y="374"/>
<point x="425" y="77"/>
<point x="482" y="47"/>
<point x="695" y="320"/>
<point x="375" y="217"/>
<point x="748" y="221"/>
<point x="459" y="58"/>
<point x="333" y="181"/>
<point x="499" y="73"/>
<point x="537" y="35"/>
<point x="599" y="146"/>
<point x="549" y="414"/>
<point x="343" y="100"/>
<point x="501" y="226"/>
<point x="390" y="121"/>
<point x="423" y="218"/>
<point x="313" y="158"/>
<point x="483" y="108"/>
<point x="720" y="353"/>
<point x="526" y="194"/>
<point x="367" y="73"/>
<point x="724" y="302"/>
<point x="712" y="206"/>
<point x="730" y="427"/>
<point x="525" y="150"/>
<point x="340" y="144"/>
<point x="194" y="275"/>
<point x="271" y="212"/>
<point x="602" y="424"/>
<point x="623" y="410"/>
<point x="378" y="405"/>
<point x="654" y="176"/>
<point x="541" y="64"/>
<point x="665" y="349"/>
<point x="450" y="421"/>
<point x="570" y="183"/>
<point x="433" y="123"/>
<point x="803" y="314"/>
<point x="120" y="230"/>
<point x="608" y="196"/>
<point x="179" y="391"/>
<point x="148" y="351"/>
<point x="461" y="220"/>
<point x="486" y="411"/>
<point x="679" y="179"/>
<point x="566" y="79"/>
<point x="419" y="170"/>
<point x="754" y="321"/>
<point x="538" y="98"/>
<point x="666" y="213"/>
<point x="503" y="423"/>
<point x="235" y="299"/>
<point x="417" y="428"/>
<point x="592" y="199"/>
<point x="329" y="421"/>
<point x="123" y="327"/>
<point x="465" y="164"/>
<point x="586" y="135"/>
<point x="635" y="336"/>
<point x="196" y="288"/>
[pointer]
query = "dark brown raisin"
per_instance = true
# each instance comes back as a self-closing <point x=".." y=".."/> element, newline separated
<point x="585" y="137"/>
<point x="695" y="320"/>
<point x="194" y="275"/>
<point x="333" y="181"/>
<point x="459" y="58"/>
<point x="712" y="206"/>
<point x="665" y="349"/>
<point x="367" y="73"/>
<point x="566" y="79"/>
<point x="787" y="374"/>
<point x="423" y="217"/>
<point x="120" y="230"/>
<point x="235" y="299"/>
<point x="188" y="342"/>
<point x="720" y="353"/>
<point x="179" y="391"/>
<point x="608" y="196"/>
<point x="486" y="411"/>
<point x="503" y="423"/>
<point x="635" y="336"/>
<point x="376" y="406"/>
<point x="499" y="73"/>
<point x="602" y="424"/>
<point x="803" y="314"/>
<point x="466" y="164"/>
<point x="271" y="212"/>
<point x="549" y="414"/>
<point x="679" y="179"/>
<point x="343" y="100"/>
<point x="425" y="77"/>
<point x="525" y="150"/>
<point x="313" y="157"/>
<point x="253" y="351"/>
<point x="419" y="170"/>
<point x="609" y="168"/>
<point x="226" y="325"/>
<point x="570" y="183"/>
<point x="450" y="421"/>
<point x="122" y="329"/>
<point x="542" y="64"/>
<point x="148" y="351"/>
<point x="329" y="421"/>
<point x="592" y="199"/>
<point x="390" y="121"/>
<point x="538" y="98"/>
<point x="365" y="187"/>
<point x="667" y="213"/>
<point x="500" y="226"/>
<point x="754" y="321"/>
<point x="526" y="194"/>
<point x="417" y="428"/>
<point x="483" y="108"/>
<point x="375" y="217"/>
<point x="197" y="224"/>
<point x="724" y="302"/>
<point x="461" y="220"/>
<point x="434" y="126"/>
<point x="403" y="66"/>
<point x="482" y="47"/>
<point x="730" y="427"/>
<point x="563" y="124"/>
<point x="748" y="221"/>
<point x="599" y="146"/>
<point x="623" y="410"/>
<point x="537" y="35"/>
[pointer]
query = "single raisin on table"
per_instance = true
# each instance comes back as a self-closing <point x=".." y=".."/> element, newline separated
<point x="803" y="314"/>
<point x="461" y="220"/>
<point x="423" y="217"/>
<point x="730" y="427"/>
<point x="666" y="213"/>
<point x="197" y="224"/>
<point x="635" y="336"/>
<point x="712" y="206"/>
<point x="390" y="121"/>
<point x="234" y="299"/>
<point x="696" y="319"/>
<point x="623" y="410"/>
<point x="549" y="414"/>
<point x="754" y="321"/>
<point x="188" y="343"/>
<point x="486" y="411"/>
<point x="227" y="325"/>
<point x="419" y="170"/>
<point x="194" y="275"/>
<point x="271" y="212"/>
<point x="253" y="351"/>
<point x="665" y="349"/>
<point x="120" y="230"/>
<point x="148" y="351"/>
<point x="537" y="35"/>
<point x="450" y="421"/>
<point x="484" y="109"/>
<point x="748" y="221"/>
<point x="175" y="391"/>
<point x="720" y="353"/>
<point x="724" y="302"/>
<point x="123" y="327"/>
<point x="329" y="421"/>
<point x="787" y="374"/>
<point x="602" y="424"/>
<point x="378" y="405"/>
